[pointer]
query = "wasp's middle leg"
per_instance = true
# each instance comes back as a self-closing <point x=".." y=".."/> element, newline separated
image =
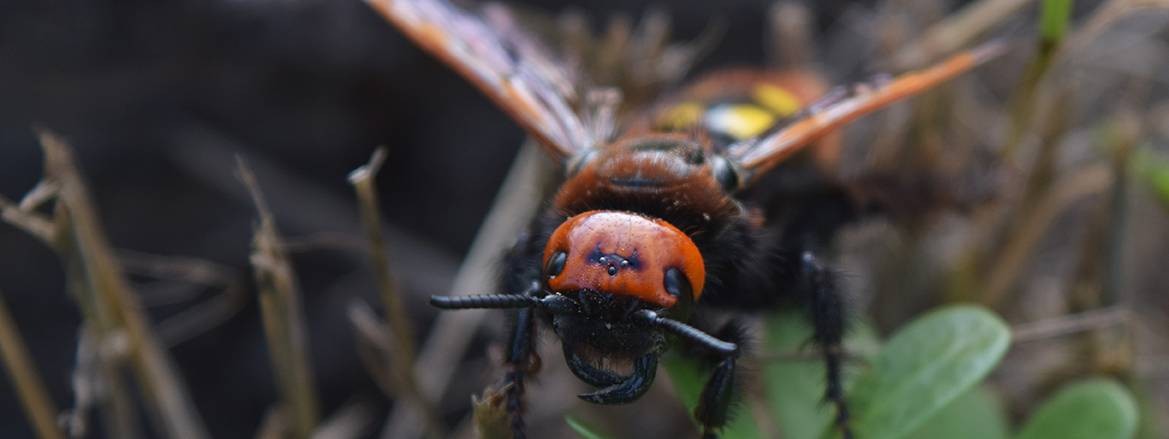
<point x="826" y="309"/>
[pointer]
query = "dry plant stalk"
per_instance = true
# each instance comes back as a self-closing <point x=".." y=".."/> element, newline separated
<point x="108" y="305"/>
<point x="373" y="345"/>
<point x="956" y="31"/>
<point x="518" y="200"/>
<point x="352" y="420"/>
<point x="283" y="317"/>
<point x="491" y="419"/>
<point x="401" y="352"/>
<point x="1070" y="324"/>
<point x="39" y="408"/>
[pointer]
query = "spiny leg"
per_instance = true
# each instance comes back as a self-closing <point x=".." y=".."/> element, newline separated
<point x="519" y="361"/>
<point x="718" y="394"/>
<point x="826" y="309"/>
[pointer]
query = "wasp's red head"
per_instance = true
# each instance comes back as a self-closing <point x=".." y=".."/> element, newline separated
<point x="624" y="254"/>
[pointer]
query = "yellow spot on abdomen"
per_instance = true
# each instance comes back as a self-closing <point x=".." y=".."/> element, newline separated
<point x="776" y="99"/>
<point x="741" y="121"/>
<point x="681" y="116"/>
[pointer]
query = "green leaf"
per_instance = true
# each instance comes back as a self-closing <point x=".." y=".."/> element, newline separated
<point x="1091" y="409"/>
<point x="795" y="388"/>
<point x="977" y="414"/>
<point x="1154" y="169"/>
<point x="581" y="429"/>
<point x="924" y="367"/>
<point x="688" y="379"/>
<point x="1053" y="20"/>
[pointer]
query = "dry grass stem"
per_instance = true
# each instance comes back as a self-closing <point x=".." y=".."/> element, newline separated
<point x="30" y="222"/>
<point x="1011" y="262"/>
<point x="518" y="200"/>
<point x="353" y="420"/>
<point x="402" y="352"/>
<point x="791" y="35"/>
<point x="956" y="31"/>
<point x="373" y="346"/>
<point x="283" y="317"/>
<point x="274" y="425"/>
<point x="198" y="318"/>
<point x="489" y="414"/>
<point x="100" y="285"/>
<point x="1070" y="324"/>
<point x="30" y="389"/>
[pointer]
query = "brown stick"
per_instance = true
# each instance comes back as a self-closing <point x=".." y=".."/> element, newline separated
<point x="39" y="408"/>
<point x="88" y="253"/>
<point x="402" y="352"/>
<point x="283" y="317"/>
<point x="518" y="200"/>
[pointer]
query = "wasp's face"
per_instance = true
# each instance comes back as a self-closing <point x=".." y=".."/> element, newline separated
<point x="614" y="266"/>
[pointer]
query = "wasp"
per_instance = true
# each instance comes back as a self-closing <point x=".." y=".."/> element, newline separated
<point x="658" y="215"/>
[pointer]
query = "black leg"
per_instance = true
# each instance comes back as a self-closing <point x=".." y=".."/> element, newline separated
<point x="519" y="362"/>
<point x="718" y="394"/>
<point x="827" y="311"/>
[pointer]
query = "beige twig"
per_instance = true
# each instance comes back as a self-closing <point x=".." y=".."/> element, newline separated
<point x="274" y="424"/>
<point x="353" y="420"/>
<point x="30" y="222"/>
<point x="199" y="317"/>
<point x="518" y="201"/>
<point x="956" y="31"/>
<point x="39" y="408"/>
<point x="401" y="352"/>
<point x="283" y="317"/>
<point x="1069" y="324"/>
<point x="1011" y="261"/>
<point x="97" y="274"/>
<point x="373" y="345"/>
<point x="790" y="35"/>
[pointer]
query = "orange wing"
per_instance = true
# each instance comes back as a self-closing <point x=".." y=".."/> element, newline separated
<point x="506" y="64"/>
<point x="757" y="156"/>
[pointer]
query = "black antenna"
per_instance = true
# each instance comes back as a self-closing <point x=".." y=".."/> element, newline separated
<point x="687" y="332"/>
<point x="554" y="303"/>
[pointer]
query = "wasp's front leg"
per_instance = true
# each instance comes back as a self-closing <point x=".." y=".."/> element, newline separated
<point x="717" y="396"/>
<point x="520" y="362"/>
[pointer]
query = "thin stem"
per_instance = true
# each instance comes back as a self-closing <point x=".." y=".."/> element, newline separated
<point x="283" y="317"/>
<point x="87" y="255"/>
<point x="402" y="351"/>
<point x="518" y="200"/>
<point x="1070" y="324"/>
<point x="39" y="408"/>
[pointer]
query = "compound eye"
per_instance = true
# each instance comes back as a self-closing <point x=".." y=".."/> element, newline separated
<point x="556" y="264"/>
<point x="678" y="285"/>
<point x="725" y="174"/>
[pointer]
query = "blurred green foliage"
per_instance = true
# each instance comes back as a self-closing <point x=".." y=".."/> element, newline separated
<point x="922" y="383"/>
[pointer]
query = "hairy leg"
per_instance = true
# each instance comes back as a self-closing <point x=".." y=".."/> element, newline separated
<point x="719" y="392"/>
<point x="519" y="362"/>
<point x="826" y="310"/>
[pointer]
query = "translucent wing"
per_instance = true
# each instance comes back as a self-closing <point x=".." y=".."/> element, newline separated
<point x="507" y="65"/>
<point x="755" y="157"/>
